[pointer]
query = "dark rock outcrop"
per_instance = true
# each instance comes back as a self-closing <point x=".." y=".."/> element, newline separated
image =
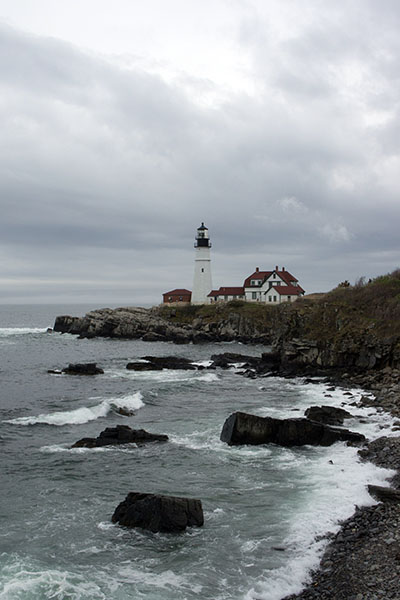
<point x="83" y="369"/>
<point x="129" y="322"/>
<point x="226" y="359"/>
<point x="330" y="415"/>
<point x="167" y="514"/>
<point x="254" y="365"/>
<point x="243" y="428"/>
<point x="121" y="434"/>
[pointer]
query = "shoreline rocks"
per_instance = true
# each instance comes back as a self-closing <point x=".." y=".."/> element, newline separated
<point x="362" y="562"/>
<point x="329" y="415"/>
<point x="159" y="513"/>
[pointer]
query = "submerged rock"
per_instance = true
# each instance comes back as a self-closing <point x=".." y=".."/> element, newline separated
<point x="121" y="434"/>
<point x="83" y="369"/>
<point x="330" y="415"/>
<point x="243" y="428"/>
<point x="168" y="514"/>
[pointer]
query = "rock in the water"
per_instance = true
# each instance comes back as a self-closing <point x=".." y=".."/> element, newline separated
<point x="83" y="369"/>
<point x="243" y="428"/>
<point x="143" y="366"/>
<point x="121" y="434"/>
<point x="157" y="363"/>
<point x="125" y="412"/>
<point x="166" y="514"/>
<point x="330" y="415"/>
<point x="171" y="362"/>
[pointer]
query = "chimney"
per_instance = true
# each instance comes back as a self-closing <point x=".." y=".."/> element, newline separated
<point x="276" y="268"/>
<point x="283" y="268"/>
<point x="257" y="269"/>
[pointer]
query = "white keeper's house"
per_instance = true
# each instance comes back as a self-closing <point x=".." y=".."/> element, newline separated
<point x="273" y="287"/>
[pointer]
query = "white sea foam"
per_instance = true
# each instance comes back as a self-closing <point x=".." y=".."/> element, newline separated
<point x="165" y="376"/>
<point x="301" y="396"/>
<point x="163" y="581"/>
<point x="9" y="331"/>
<point x="328" y="498"/>
<point x="20" y="580"/>
<point x="84" y="414"/>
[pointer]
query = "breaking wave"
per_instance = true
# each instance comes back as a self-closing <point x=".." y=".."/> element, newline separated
<point x="84" y="414"/>
<point x="9" y="331"/>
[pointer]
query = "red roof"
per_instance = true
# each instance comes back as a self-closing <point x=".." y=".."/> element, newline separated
<point x="257" y="275"/>
<point x="227" y="291"/>
<point x="286" y="290"/>
<point x="178" y="292"/>
<point x="286" y="276"/>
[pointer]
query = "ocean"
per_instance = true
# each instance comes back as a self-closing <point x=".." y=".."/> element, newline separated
<point x="266" y="508"/>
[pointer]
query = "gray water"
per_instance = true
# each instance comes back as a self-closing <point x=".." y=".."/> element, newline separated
<point x="266" y="508"/>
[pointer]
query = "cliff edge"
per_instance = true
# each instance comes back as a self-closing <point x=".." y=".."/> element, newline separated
<point x="356" y="327"/>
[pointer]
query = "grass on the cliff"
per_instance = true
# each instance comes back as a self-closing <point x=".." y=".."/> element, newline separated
<point x="219" y="311"/>
<point x="350" y="312"/>
<point x="372" y="305"/>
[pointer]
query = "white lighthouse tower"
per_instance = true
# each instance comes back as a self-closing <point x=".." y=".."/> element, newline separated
<point x="202" y="285"/>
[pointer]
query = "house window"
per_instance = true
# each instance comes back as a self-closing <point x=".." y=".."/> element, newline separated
<point x="274" y="298"/>
<point x="169" y="298"/>
<point x="253" y="295"/>
<point x="289" y="297"/>
<point x="180" y="298"/>
<point x="269" y="298"/>
<point x="274" y="276"/>
<point x="253" y="282"/>
<point x="226" y="297"/>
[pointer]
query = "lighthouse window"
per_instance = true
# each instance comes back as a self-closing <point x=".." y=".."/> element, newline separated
<point x="202" y="270"/>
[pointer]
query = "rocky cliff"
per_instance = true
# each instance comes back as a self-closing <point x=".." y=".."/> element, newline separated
<point x="181" y="325"/>
<point x="356" y="327"/>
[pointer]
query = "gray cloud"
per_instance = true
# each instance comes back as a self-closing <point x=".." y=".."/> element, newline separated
<point x="106" y="171"/>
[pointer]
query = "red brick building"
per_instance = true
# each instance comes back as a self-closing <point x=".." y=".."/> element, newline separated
<point x="178" y="295"/>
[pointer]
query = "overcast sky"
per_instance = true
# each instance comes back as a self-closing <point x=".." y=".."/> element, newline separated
<point x="126" y="124"/>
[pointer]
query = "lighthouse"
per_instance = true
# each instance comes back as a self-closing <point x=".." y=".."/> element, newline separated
<point x="202" y="285"/>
